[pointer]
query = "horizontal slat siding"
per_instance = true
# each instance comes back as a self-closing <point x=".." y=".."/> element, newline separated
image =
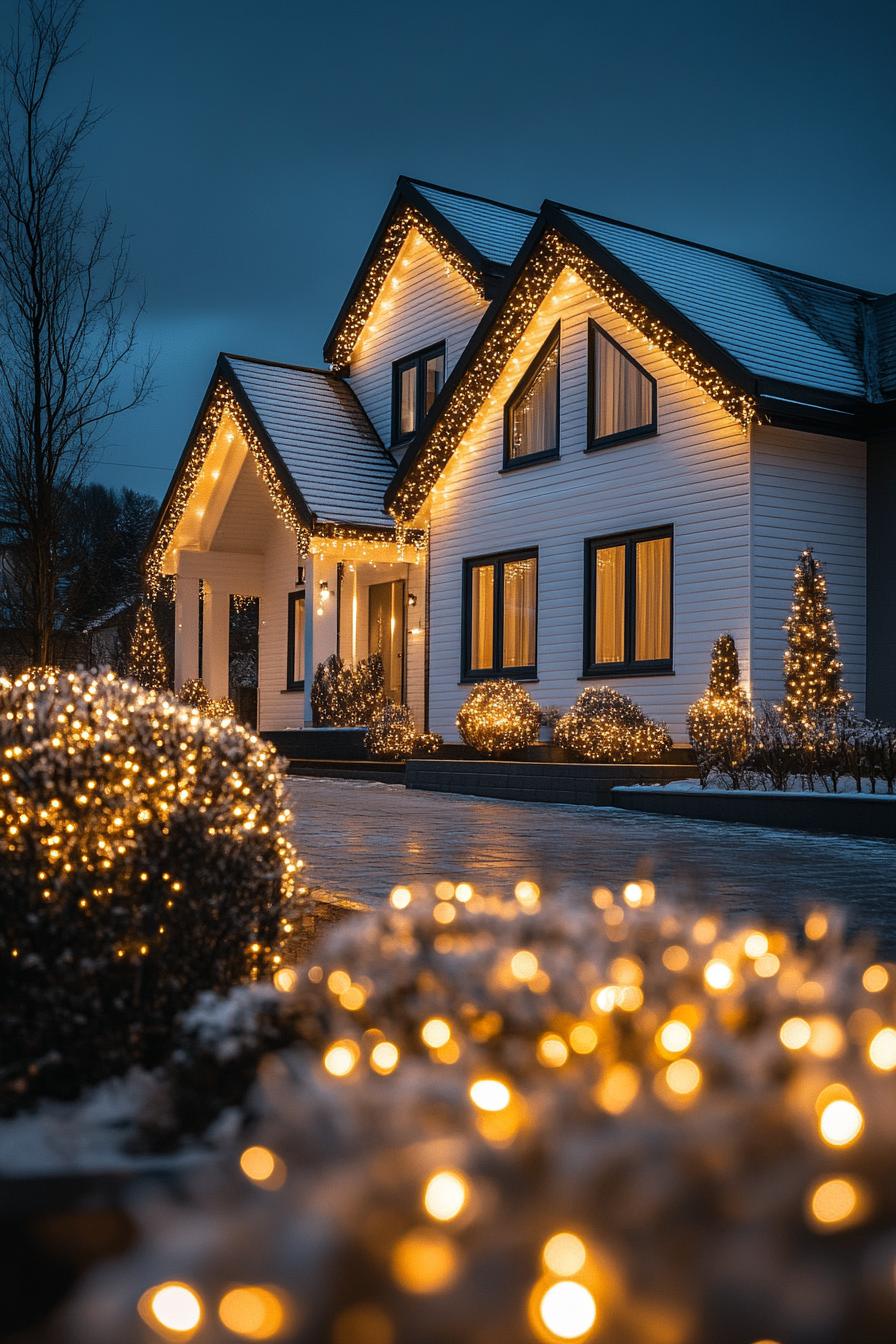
<point x="275" y="709"/>
<point x="694" y="474"/>
<point x="806" y="490"/>
<point x="433" y="303"/>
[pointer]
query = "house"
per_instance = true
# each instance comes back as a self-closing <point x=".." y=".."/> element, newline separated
<point x="549" y="446"/>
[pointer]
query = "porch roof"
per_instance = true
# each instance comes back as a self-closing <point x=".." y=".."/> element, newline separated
<point x="318" y="429"/>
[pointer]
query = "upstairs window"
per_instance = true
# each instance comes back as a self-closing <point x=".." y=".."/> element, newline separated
<point x="532" y="416"/>
<point x="628" y="587"/>
<point x="621" y="395"/>
<point x="416" y="382"/>
<point x="500" y="615"/>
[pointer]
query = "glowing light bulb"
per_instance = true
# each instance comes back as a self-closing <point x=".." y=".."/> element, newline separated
<point x="174" y="1306"/>
<point x="840" y="1123"/>
<point x="490" y="1094"/>
<point x="568" y="1310"/>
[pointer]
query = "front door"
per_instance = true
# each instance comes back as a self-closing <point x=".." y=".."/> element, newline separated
<point x="385" y="633"/>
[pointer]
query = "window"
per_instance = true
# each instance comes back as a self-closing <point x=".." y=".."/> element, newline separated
<point x="532" y="415"/>
<point x="500" y="616"/>
<point x="416" y="382"/>
<point x="621" y="395"/>
<point x="628" y="596"/>
<point x="295" y="641"/>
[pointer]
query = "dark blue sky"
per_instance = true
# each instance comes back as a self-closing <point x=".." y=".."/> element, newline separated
<point x="250" y="148"/>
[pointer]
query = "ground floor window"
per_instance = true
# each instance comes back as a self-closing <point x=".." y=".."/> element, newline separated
<point x="295" y="641"/>
<point x="628" y="603"/>
<point x="500" y="615"/>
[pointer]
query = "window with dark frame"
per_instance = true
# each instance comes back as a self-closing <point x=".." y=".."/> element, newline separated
<point x="416" y="382"/>
<point x="500" y="616"/>
<point x="295" y="641"/>
<point x="532" y="415"/>
<point x="628" y="603"/>
<point x="621" y="395"/>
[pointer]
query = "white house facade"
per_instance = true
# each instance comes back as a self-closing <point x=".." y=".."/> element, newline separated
<point x="547" y="446"/>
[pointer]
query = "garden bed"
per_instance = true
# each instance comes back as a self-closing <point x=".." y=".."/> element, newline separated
<point x="862" y="814"/>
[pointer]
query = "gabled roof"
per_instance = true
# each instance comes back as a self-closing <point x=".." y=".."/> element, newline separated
<point x="777" y="323"/>
<point x="315" y="425"/>
<point x="478" y="236"/>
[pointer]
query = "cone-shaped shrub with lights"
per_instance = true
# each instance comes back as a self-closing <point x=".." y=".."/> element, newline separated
<point x="343" y="696"/>
<point x="498" y="717"/>
<point x="527" y="1121"/>
<point x="147" y="657"/>
<point x="605" y="725"/>
<point x="143" y="858"/>
<point x="813" y="672"/>
<point x="720" y="723"/>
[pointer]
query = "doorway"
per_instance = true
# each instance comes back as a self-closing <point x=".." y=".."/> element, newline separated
<point x="385" y="633"/>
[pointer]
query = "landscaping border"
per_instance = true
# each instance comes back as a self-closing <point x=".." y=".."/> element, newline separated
<point x="870" y="815"/>
<point x="535" y="781"/>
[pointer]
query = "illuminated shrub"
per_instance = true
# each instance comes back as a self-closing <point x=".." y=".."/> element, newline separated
<point x="720" y="723"/>
<point x="428" y="744"/>
<point x="498" y="717"/>
<point x="223" y="708"/>
<point x="194" y="694"/>
<point x="142" y="859"/>
<point x="392" y="731"/>
<point x="632" y="1104"/>
<point x="343" y="696"/>
<point x="604" y="725"/>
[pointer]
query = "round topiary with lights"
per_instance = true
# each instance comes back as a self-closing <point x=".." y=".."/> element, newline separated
<point x="604" y="725"/>
<point x="515" y="1120"/>
<point x="194" y="694"/>
<point x="498" y="717"/>
<point x="143" y="858"/>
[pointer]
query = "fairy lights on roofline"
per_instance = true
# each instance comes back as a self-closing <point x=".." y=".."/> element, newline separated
<point x="222" y="403"/>
<point x="552" y="255"/>
<point x="393" y="241"/>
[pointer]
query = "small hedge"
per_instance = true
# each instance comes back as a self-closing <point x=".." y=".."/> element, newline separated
<point x="498" y="717"/>
<point x="604" y="725"/>
<point x="143" y="859"/>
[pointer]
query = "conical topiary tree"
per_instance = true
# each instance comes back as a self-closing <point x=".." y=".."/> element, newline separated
<point x="720" y="723"/>
<point x="813" y="672"/>
<point x="147" y="659"/>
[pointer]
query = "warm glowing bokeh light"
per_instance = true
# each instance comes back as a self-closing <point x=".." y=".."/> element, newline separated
<point x="435" y="1032"/>
<point x="834" y="1201"/>
<point x="384" y="1057"/>
<point x="840" y="1123"/>
<point x="568" y="1310"/>
<point x="424" y="1261"/>
<point x="400" y="898"/>
<point x="174" y="1306"/>
<point x="564" y="1254"/>
<point x="490" y="1094"/>
<point x="882" y="1049"/>
<point x="524" y="966"/>
<point x="341" y="1057"/>
<point x="252" y="1311"/>
<point x="718" y="975"/>
<point x="445" y="1195"/>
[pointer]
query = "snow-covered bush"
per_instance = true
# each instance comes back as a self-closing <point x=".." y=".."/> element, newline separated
<point x="774" y="754"/>
<point x="143" y="858"/>
<point x="880" y="750"/>
<point x="720" y="723"/>
<point x="525" y="1121"/>
<point x="604" y="725"/>
<point x="498" y="717"/>
<point x="343" y="696"/>
<point x="392" y="732"/>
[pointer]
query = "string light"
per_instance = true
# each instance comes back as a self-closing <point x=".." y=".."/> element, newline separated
<point x="147" y="662"/>
<point x="498" y="717"/>
<point x="720" y="723"/>
<point x="605" y="725"/>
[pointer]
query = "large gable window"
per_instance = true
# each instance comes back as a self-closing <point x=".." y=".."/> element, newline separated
<point x="500" y="615"/>
<point x="532" y="415"/>
<point x="621" y="395"/>
<point x="628" y="584"/>
<point x="416" y="382"/>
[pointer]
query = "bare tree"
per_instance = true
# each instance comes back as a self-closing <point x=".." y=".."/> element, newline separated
<point x="67" y="323"/>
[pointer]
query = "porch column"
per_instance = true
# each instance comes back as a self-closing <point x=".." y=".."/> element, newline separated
<point x="320" y="629"/>
<point x="216" y="639"/>
<point x="310" y="608"/>
<point x="186" y="630"/>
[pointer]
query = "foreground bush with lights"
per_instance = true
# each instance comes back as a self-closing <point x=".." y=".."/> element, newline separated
<point x="514" y="1121"/>
<point x="604" y="725"/>
<point x="143" y="858"/>
<point x="498" y="717"/>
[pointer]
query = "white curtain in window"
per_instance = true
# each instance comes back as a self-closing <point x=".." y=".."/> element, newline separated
<point x="624" y="394"/>
<point x="609" y="604"/>
<point x="434" y="376"/>
<point x="519" y="592"/>
<point x="298" y="642"/>
<point x="482" y="616"/>
<point x="534" y="417"/>
<point x="653" y="600"/>
<point x="408" y="400"/>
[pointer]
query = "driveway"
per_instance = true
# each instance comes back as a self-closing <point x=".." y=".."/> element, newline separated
<point x="359" y="840"/>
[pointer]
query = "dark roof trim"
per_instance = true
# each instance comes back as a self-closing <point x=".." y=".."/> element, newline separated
<point x="407" y="194"/>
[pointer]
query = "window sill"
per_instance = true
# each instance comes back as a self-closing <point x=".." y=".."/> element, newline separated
<point x="294" y="690"/>
<point x="535" y="460"/>
<point x="617" y="672"/>
<point x="497" y="676"/>
<point x="629" y="436"/>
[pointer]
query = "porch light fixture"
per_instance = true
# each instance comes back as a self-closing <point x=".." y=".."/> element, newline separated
<point x="412" y="599"/>
<point x="324" y="590"/>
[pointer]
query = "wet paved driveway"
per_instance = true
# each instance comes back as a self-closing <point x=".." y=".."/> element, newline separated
<point x="359" y="839"/>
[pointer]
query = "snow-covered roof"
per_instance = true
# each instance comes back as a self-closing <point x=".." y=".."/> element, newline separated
<point x="316" y="425"/>
<point x="496" y="231"/>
